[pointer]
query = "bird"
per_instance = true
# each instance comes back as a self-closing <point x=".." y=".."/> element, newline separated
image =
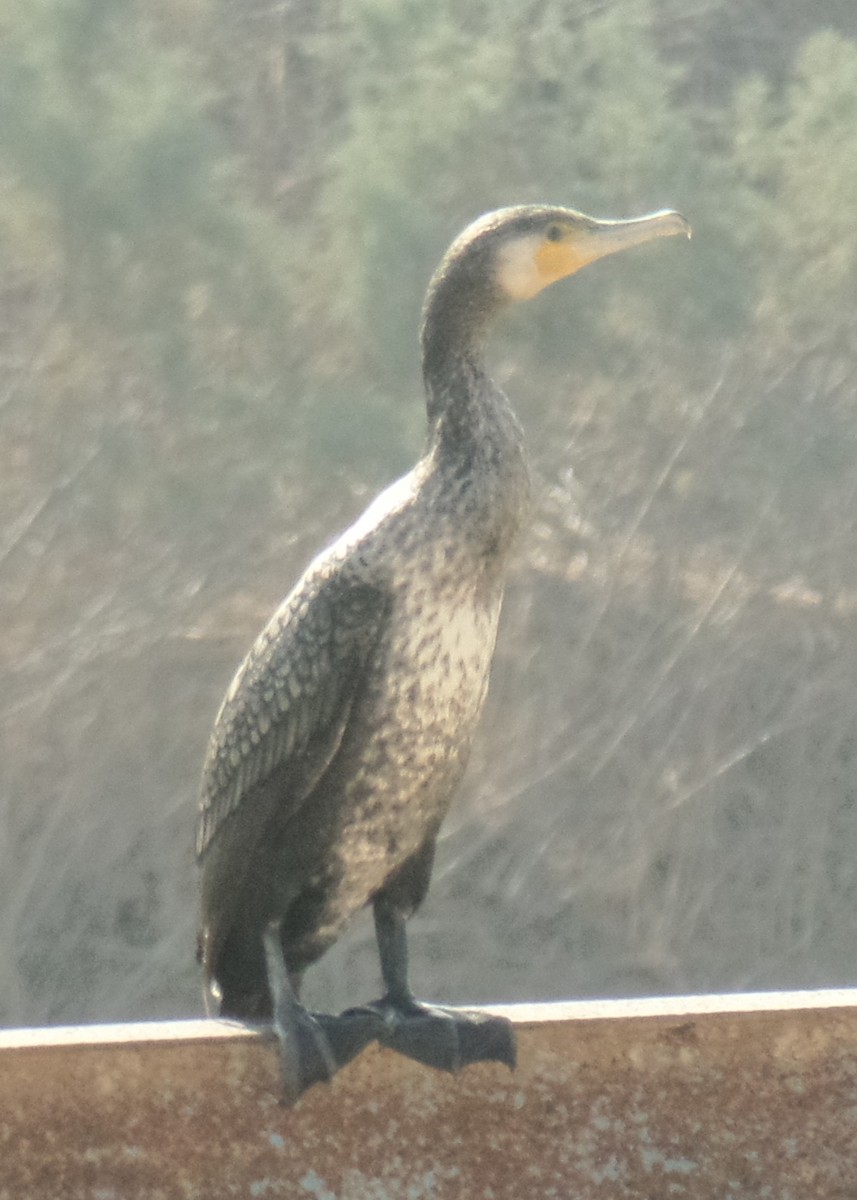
<point x="347" y="728"/>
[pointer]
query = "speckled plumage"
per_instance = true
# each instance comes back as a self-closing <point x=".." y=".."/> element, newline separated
<point x="341" y="740"/>
<point x="344" y="734"/>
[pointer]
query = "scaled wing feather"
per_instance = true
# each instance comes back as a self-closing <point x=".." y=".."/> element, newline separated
<point x="289" y="702"/>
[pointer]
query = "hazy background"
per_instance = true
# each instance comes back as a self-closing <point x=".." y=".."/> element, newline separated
<point x="217" y="219"/>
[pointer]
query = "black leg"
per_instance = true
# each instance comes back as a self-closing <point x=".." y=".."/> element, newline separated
<point x="445" y="1038"/>
<point x="391" y="936"/>
<point x="313" y="1047"/>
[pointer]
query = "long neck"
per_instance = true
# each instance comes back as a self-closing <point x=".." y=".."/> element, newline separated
<point x="458" y="311"/>
<point x="474" y="436"/>
<point x="461" y="402"/>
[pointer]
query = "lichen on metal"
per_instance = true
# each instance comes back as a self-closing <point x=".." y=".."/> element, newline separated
<point x="704" y="1097"/>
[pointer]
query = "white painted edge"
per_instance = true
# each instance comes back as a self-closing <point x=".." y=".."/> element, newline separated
<point x="678" y="1006"/>
<point x="675" y="1007"/>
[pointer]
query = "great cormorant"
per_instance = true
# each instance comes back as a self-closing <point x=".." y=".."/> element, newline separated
<point x="347" y="728"/>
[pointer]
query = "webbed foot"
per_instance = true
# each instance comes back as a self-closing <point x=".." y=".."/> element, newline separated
<point x="306" y="1056"/>
<point x="444" y="1038"/>
<point x="313" y="1046"/>
<point x="350" y="1033"/>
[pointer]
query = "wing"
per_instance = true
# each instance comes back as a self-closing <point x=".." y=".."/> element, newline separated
<point x="288" y="706"/>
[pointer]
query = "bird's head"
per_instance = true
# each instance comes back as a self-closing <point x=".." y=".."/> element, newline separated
<point x="537" y="246"/>
<point x="514" y="253"/>
<point x="524" y="249"/>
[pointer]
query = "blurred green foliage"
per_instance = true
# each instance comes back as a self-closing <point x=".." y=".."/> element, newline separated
<point x="122" y="186"/>
<point x="797" y="150"/>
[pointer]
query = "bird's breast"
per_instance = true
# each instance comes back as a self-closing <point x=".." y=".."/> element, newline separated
<point x="429" y="683"/>
<point x="439" y="661"/>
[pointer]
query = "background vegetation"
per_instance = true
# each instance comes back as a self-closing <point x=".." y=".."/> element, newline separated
<point x="217" y="218"/>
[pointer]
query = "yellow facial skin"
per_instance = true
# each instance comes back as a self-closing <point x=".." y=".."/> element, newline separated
<point x="535" y="260"/>
<point x="556" y="259"/>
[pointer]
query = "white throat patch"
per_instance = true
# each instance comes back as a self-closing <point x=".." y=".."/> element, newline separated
<point x="518" y="272"/>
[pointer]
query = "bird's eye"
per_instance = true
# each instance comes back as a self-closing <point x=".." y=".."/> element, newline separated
<point x="554" y="233"/>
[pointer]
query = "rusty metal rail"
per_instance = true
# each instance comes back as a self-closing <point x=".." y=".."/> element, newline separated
<point x="709" y="1097"/>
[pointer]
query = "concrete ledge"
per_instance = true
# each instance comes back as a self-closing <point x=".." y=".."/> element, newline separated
<point x="709" y="1097"/>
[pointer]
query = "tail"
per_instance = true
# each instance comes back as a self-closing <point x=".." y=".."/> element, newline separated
<point x="236" y="981"/>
